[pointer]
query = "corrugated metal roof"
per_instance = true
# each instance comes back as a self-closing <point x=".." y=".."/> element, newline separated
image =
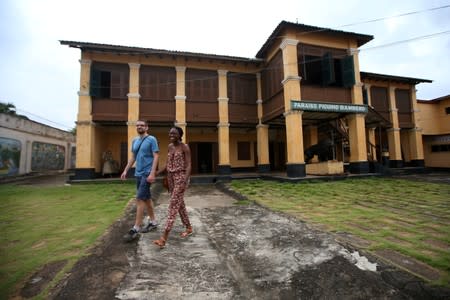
<point x="384" y="77"/>
<point x="361" y="38"/>
<point x="435" y="100"/>
<point x="85" y="46"/>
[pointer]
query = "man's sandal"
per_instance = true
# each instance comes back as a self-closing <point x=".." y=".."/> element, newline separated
<point x="161" y="243"/>
<point x="186" y="233"/>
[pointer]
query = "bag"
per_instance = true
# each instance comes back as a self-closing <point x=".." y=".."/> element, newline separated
<point x="139" y="148"/>
<point x="165" y="182"/>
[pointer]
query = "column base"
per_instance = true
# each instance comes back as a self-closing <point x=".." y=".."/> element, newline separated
<point x="418" y="163"/>
<point x="263" y="168"/>
<point x="83" y="174"/>
<point x="224" y="170"/>
<point x="295" y="170"/>
<point x="361" y="167"/>
<point x="395" y="163"/>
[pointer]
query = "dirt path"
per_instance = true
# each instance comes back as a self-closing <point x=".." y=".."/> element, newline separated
<point x="237" y="252"/>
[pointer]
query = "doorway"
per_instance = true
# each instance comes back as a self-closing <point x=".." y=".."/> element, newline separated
<point x="204" y="157"/>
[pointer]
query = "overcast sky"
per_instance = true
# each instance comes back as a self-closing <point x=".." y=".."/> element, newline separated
<point x="41" y="77"/>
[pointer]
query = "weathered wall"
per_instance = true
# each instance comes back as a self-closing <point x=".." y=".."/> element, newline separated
<point x="27" y="146"/>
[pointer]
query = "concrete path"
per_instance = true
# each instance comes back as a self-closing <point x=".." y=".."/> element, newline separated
<point x="249" y="252"/>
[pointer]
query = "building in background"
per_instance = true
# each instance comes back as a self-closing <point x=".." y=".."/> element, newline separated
<point x="28" y="147"/>
<point x="301" y="106"/>
<point x="435" y="123"/>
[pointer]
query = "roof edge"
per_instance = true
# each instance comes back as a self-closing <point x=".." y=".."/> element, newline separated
<point x="139" y="50"/>
<point x="361" y="38"/>
<point x="377" y="76"/>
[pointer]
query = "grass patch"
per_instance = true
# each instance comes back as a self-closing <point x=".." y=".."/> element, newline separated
<point x="41" y="225"/>
<point x="380" y="210"/>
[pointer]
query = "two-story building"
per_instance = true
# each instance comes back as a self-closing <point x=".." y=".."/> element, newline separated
<point x="435" y="123"/>
<point x="302" y="102"/>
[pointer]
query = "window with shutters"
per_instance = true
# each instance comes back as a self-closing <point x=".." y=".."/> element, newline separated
<point x="201" y="85"/>
<point x="109" y="81"/>
<point x="312" y="70"/>
<point x="272" y="77"/>
<point x="404" y="109"/>
<point x="320" y="67"/>
<point x="157" y="83"/>
<point x="241" y="88"/>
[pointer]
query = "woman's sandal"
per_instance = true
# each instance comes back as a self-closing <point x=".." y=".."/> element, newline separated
<point x="161" y="242"/>
<point x="186" y="233"/>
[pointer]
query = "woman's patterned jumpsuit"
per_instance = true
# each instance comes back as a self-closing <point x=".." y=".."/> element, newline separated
<point x="176" y="175"/>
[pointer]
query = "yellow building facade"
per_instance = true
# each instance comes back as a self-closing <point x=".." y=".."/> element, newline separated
<point x="302" y="100"/>
<point x="434" y="120"/>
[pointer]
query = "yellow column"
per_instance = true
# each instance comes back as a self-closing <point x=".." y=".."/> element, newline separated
<point x="356" y="91"/>
<point x="259" y="95"/>
<point x="357" y="125"/>
<point x="180" y="100"/>
<point x="223" y="126"/>
<point x="85" y="149"/>
<point x="357" y="138"/>
<point x="395" y="151"/>
<point x="295" y="166"/>
<point x="84" y="100"/>
<point x="415" y="134"/>
<point x="85" y="145"/>
<point x="262" y="132"/>
<point x="133" y="104"/>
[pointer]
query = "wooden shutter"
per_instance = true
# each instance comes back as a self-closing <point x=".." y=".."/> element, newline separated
<point x="365" y="97"/>
<point x="348" y="71"/>
<point x="327" y="67"/>
<point x="116" y="84"/>
<point x="94" y="87"/>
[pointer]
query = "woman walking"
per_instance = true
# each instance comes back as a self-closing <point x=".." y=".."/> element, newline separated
<point x="178" y="168"/>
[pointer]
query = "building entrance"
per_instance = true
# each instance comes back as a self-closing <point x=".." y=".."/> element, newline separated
<point x="204" y="157"/>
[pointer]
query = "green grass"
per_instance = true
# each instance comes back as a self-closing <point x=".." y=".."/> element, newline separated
<point x="410" y="217"/>
<point x="42" y="225"/>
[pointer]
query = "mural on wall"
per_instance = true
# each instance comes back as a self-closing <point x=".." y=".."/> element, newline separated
<point x="73" y="157"/>
<point x="9" y="156"/>
<point x="46" y="157"/>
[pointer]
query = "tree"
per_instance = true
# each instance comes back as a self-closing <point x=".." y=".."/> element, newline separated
<point x="10" y="109"/>
<point x="7" y="108"/>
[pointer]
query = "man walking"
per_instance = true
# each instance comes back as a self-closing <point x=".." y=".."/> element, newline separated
<point x="145" y="153"/>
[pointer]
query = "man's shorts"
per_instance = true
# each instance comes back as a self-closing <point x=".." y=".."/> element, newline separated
<point x="143" y="188"/>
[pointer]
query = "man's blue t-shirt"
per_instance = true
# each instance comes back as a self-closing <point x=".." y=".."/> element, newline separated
<point x="144" y="158"/>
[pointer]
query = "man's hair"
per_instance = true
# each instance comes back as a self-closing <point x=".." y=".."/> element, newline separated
<point x="144" y="121"/>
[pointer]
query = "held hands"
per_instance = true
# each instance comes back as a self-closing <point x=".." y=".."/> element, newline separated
<point x="151" y="178"/>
